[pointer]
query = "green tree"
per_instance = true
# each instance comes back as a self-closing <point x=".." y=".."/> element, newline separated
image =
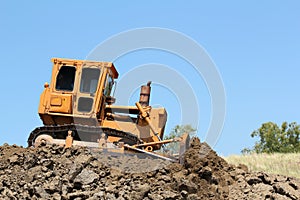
<point x="178" y="131"/>
<point x="272" y="138"/>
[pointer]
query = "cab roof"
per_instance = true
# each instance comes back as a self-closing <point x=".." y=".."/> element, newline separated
<point x="88" y="62"/>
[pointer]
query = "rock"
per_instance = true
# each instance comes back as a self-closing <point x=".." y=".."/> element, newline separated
<point x="86" y="177"/>
<point x="280" y="179"/>
<point x="99" y="194"/>
<point x="54" y="186"/>
<point x="293" y="184"/>
<point x="188" y="186"/>
<point x="287" y="190"/>
<point x="243" y="167"/>
<point x="110" y="188"/>
<point x="110" y="196"/>
<point x="205" y="173"/>
<point x="262" y="189"/>
<point x="13" y="159"/>
<point x="48" y="163"/>
<point x="56" y="196"/>
<point x="253" y="180"/>
<point x="82" y="195"/>
<point x="184" y="193"/>
<point x="165" y="178"/>
<point x="170" y="195"/>
<point x="40" y="192"/>
<point x="155" y="196"/>
<point x="265" y="178"/>
<point x="193" y="197"/>
<point x="142" y="189"/>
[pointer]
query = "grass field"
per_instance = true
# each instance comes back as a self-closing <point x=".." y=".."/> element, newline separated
<point x="284" y="164"/>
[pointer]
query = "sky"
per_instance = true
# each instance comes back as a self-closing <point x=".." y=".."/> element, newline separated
<point x="255" y="46"/>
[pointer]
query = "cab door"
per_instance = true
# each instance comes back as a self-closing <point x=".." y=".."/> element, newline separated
<point x="85" y="99"/>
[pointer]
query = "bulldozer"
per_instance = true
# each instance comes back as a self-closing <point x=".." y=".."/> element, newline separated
<point x="77" y="108"/>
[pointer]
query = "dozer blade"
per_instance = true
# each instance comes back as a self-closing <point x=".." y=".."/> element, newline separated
<point x="184" y="146"/>
<point x="150" y="153"/>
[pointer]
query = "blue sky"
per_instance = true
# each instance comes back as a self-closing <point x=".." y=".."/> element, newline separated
<point x="254" y="44"/>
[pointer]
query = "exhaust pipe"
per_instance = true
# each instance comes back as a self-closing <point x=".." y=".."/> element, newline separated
<point x="145" y="94"/>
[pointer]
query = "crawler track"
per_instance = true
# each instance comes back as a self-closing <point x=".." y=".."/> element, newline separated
<point x="61" y="131"/>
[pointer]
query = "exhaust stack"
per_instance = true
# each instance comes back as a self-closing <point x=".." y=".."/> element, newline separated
<point x="145" y="94"/>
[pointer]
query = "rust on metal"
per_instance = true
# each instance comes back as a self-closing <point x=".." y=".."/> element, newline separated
<point x="145" y="94"/>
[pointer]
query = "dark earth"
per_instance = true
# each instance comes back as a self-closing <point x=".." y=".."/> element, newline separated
<point x="52" y="172"/>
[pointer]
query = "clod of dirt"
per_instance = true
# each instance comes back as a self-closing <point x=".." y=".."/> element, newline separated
<point x="52" y="172"/>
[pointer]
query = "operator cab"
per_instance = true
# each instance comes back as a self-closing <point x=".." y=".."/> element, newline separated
<point x="78" y="89"/>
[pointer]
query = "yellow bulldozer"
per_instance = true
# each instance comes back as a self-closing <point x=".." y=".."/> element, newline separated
<point x="77" y="108"/>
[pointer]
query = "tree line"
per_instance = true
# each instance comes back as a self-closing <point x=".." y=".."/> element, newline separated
<point x="276" y="139"/>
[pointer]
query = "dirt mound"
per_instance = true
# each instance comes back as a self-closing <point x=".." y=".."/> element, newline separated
<point x="52" y="172"/>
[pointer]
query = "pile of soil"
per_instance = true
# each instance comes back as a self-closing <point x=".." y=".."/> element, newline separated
<point x="52" y="172"/>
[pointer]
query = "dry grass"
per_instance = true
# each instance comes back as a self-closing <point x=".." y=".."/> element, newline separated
<point x="283" y="164"/>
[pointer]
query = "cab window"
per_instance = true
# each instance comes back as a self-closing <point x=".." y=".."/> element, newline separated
<point x="65" y="78"/>
<point x="89" y="80"/>
<point x="108" y="85"/>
